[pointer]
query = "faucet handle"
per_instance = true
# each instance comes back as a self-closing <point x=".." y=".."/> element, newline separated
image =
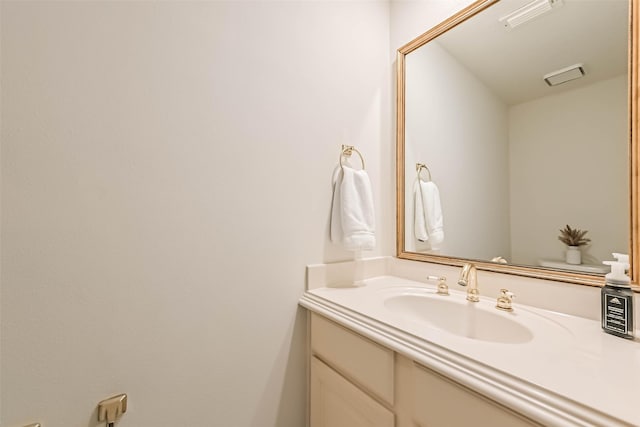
<point x="505" y="299"/>
<point x="443" y="289"/>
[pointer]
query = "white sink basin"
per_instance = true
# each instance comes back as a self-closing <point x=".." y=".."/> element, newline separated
<point x="455" y="315"/>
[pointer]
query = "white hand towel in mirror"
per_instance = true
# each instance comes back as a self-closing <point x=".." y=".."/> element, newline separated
<point x="431" y="210"/>
<point x="352" y="215"/>
<point x="419" y="218"/>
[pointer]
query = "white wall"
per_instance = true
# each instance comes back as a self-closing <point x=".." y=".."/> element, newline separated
<point x="568" y="156"/>
<point x="165" y="179"/>
<point x="468" y="163"/>
<point x="411" y="18"/>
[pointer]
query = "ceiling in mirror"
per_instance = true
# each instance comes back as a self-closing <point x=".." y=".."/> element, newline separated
<point x="512" y="62"/>
<point x="514" y="158"/>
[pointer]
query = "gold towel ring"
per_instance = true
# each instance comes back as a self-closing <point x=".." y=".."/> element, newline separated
<point x="419" y="167"/>
<point x="347" y="151"/>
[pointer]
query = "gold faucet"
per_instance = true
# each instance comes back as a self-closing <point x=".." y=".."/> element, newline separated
<point x="469" y="277"/>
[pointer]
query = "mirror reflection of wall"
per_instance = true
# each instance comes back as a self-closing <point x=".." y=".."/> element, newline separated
<point x="515" y="160"/>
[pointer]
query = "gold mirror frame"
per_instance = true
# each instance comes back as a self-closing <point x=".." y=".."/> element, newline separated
<point x="634" y="161"/>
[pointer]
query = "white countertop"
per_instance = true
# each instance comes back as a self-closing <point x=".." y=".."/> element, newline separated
<point x="584" y="268"/>
<point x="576" y="376"/>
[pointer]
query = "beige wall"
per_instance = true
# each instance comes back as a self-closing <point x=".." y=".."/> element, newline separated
<point x="411" y="18"/>
<point x="165" y="179"/>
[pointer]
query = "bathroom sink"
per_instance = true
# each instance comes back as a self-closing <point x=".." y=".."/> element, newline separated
<point x="453" y="314"/>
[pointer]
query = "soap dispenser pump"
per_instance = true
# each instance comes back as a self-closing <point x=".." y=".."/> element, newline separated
<point x="617" y="299"/>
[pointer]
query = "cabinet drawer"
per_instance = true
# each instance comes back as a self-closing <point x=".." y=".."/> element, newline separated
<point x="440" y="402"/>
<point x="335" y="402"/>
<point x="357" y="358"/>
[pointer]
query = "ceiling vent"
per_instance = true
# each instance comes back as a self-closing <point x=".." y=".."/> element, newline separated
<point x="564" y="75"/>
<point x="528" y="12"/>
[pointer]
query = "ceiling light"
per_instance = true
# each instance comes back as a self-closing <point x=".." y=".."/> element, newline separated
<point x="564" y="75"/>
<point x="528" y="12"/>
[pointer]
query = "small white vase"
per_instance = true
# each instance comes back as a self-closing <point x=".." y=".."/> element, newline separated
<point x="573" y="255"/>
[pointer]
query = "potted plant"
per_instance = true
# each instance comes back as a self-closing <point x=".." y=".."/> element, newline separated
<point x="573" y="238"/>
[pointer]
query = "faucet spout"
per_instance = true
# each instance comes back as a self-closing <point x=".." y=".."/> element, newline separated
<point x="468" y="277"/>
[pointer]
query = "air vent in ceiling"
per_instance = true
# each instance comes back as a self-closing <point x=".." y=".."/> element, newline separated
<point x="564" y="75"/>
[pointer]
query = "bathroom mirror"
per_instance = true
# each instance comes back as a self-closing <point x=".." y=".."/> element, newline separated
<point x="523" y="114"/>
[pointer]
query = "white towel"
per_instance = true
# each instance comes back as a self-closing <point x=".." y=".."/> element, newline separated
<point x="352" y="217"/>
<point x="428" y="221"/>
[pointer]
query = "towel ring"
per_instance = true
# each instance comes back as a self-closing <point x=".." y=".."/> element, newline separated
<point x="420" y="167"/>
<point x="347" y="151"/>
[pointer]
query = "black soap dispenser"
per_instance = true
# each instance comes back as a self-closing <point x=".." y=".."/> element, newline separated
<point x="617" y="299"/>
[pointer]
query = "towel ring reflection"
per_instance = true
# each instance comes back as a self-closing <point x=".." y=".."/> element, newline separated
<point x="347" y="151"/>
<point x="420" y="167"/>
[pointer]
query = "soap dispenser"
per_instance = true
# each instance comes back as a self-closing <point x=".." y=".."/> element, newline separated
<point x="617" y="299"/>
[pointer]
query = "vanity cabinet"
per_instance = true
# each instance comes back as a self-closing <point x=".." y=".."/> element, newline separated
<point x="356" y="382"/>
<point x="439" y="401"/>
<point x="335" y="402"/>
<point x="351" y="378"/>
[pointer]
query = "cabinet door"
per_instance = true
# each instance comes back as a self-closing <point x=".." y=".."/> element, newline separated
<point x="335" y="402"/>
<point x="365" y="363"/>
<point x="440" y="402"/>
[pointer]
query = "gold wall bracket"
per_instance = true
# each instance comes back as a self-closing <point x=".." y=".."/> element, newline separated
<point x="34" y="425"/>
<point x="347" y="151"/>
<point x="109" y="410"/>
<point x="420" y="167"/>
